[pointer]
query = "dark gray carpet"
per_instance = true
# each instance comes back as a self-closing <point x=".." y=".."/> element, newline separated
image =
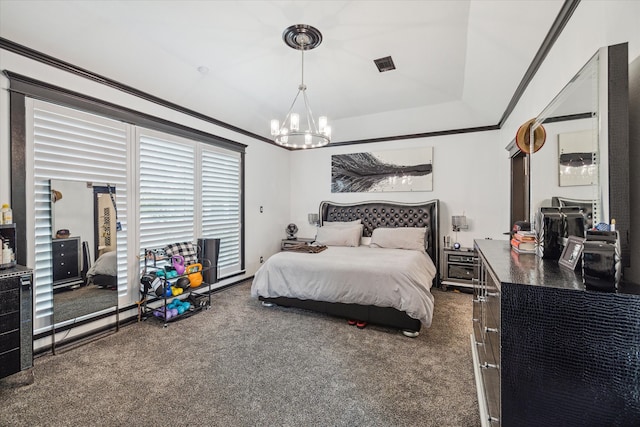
<point x="241" y="364"/>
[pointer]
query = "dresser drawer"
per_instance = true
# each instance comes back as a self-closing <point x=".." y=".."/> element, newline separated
<point x="9" y="362"/>
<point x="10" y="301"/>
<point x="9" y="284"/>
<point x="9" y="321"/>
<point x="9" y="340"/>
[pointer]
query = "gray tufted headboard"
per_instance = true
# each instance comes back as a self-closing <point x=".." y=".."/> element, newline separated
<point x="389" y="214"/>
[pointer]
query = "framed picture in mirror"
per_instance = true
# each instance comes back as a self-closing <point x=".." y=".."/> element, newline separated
<point x="572" y="252"/>
<point x="576" y="154"/>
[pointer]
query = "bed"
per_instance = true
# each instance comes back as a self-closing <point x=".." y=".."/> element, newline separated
<point x="388" y="284"/>
<point x="104" y="271"/>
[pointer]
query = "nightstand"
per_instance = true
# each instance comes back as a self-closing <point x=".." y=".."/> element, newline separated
<point x="288" y="243"/>
<point x="458" y="267"/>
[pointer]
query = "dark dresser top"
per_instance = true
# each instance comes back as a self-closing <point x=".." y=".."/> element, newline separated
<point x="529" y="269"/>
<point x="18" y="270"/>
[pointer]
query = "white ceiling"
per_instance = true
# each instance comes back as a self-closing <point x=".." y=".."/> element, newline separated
<point x="458" y="63"/>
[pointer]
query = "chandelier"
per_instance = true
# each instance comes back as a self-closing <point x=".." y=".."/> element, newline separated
<point x="294" y="132"/>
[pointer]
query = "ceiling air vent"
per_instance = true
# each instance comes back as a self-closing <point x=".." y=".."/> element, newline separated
<point x="384" y="64"/>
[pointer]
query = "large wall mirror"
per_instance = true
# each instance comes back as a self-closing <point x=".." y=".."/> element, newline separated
<point x="585" y="160"/>
<point x="84" y="250"/>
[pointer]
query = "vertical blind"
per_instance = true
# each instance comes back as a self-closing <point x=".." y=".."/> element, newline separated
<point x="221" y="205"/>
<point x="166" y="188"/>
<point x="72" y="145"/>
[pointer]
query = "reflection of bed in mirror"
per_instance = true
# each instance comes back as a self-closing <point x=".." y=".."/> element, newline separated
<point x="104" y="271"/>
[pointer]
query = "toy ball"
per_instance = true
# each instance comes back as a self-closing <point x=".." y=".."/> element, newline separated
<point x="168" y="315"/>
<point x="181" y="309"/>
<point x="174" y="312"/>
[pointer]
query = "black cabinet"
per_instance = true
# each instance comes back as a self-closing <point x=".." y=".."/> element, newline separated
<point x="16" y="331"/>
<point x="66" y="262"/>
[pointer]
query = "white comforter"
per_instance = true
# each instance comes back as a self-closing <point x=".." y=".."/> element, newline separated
<point x="395" y="278"/>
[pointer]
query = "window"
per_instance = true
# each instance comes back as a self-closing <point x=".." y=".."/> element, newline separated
<point x="167" y="204"/>
<point x="177" y="204"/>
<point x="222" y="205"/>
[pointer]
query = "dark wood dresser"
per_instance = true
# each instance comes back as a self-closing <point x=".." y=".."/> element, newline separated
<point x="548" y="352"/>
<point x="16" y="330"/>
<point x="66" y="262"/>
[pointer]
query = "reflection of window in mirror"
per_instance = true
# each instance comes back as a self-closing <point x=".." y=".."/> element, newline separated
<point x="105" y="222"/>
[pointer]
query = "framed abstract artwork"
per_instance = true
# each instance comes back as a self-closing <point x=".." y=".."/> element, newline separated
<point x="383" y="171"/>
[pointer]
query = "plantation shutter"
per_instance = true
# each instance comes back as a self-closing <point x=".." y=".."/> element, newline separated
<point x="221" y="205"/>
<point x="73" y="145"/>
<point x="166" y="180"/>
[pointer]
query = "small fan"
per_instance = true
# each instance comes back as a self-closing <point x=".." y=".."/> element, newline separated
<point x="291" y="230"/>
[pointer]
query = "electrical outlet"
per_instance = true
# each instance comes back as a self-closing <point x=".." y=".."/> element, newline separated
<point x="261" y="209"/>
<point x="261" y="260"/>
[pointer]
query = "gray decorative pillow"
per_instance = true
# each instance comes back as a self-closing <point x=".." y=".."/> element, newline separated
<point x="340" y="236"/>
<point x="399" y="238"/>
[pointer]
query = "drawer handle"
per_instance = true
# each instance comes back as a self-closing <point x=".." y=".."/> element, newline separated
<point x="487" y="365"/>
<point x="493" y="294"/>
<point x="491" y="330"/>
<point x="494" y="420"/>
<point x="475" y="320"/>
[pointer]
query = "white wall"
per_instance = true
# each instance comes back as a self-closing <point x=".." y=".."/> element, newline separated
<point x="467" y="170"/>
<point x="266" y="166"/>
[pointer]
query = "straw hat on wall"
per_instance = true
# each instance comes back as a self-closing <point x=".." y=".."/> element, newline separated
<point x="523" y="137"/>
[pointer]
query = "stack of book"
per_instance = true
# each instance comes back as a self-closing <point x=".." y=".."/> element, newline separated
<point x="524" y="242"/>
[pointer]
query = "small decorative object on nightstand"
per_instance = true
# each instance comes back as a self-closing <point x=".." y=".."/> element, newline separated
<point x="288" y="244"/>
<point x="291" y="230"/>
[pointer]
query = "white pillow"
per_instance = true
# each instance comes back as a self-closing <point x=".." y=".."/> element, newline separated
<point x="339" y="236"/>
<point x="341" y="223"/>
<point x="399" y="238"/>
